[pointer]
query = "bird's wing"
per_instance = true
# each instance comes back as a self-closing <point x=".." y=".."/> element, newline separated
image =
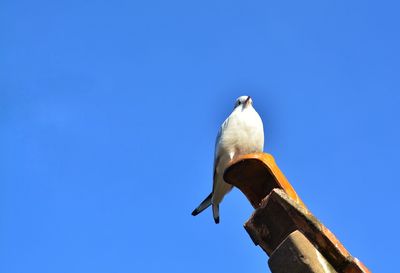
<point x="217" y="152"/>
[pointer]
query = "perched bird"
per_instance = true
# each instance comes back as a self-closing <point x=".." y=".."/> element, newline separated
<point x="241" y="133"/>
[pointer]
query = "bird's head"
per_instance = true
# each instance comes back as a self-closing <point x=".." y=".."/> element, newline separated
<point x="243" y="102"/>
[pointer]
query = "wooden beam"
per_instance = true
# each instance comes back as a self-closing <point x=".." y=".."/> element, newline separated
<point x="296" y="254"/>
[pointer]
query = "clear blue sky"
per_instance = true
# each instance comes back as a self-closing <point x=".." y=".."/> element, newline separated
<point x="109" y="112"/>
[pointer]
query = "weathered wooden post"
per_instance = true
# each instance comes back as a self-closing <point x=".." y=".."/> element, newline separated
<point x="282" y="225"/>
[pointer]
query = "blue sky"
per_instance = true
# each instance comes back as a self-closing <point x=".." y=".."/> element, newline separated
<point x="109" y="112"/>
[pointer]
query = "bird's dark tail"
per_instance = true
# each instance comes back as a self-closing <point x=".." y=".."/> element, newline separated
<point x="203" y="205"/>
<point x="215" y="208"/>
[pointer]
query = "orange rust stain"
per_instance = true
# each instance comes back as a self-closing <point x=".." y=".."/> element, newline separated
<point x="335" y="241"/>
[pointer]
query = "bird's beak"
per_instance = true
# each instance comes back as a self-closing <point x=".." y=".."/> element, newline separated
<point x="247" y="100"/>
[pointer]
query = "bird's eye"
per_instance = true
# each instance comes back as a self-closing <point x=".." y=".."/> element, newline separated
<point x="239" y="102"/>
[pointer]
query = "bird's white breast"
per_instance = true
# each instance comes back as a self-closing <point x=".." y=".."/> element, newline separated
<point x="243" y="133"/>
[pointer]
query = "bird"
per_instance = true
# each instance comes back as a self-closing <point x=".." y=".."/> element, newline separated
<point x="241" y="133"/>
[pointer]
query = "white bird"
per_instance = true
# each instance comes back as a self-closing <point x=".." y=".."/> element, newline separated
<point x="241" y="133"/>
